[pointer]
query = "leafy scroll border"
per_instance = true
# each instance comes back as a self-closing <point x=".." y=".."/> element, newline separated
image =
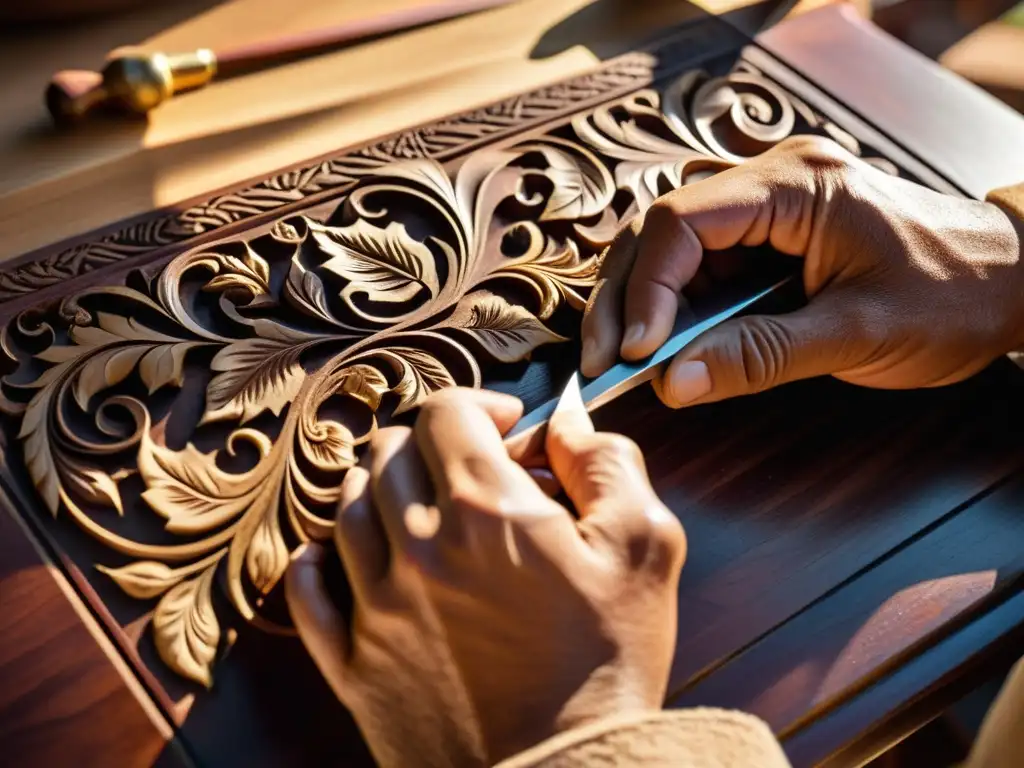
<point x="437" y="140"/>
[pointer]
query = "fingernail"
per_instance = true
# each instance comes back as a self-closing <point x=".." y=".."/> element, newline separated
<point x="634" y="334"/>
<point x="689" y="381"/>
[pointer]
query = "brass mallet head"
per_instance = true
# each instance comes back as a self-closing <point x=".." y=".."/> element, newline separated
<point x="132" y="82"/>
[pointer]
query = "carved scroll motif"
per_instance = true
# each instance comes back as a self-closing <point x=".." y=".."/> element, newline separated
<point x="298" y="340"/>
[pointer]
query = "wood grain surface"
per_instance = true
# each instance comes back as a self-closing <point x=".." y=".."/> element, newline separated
<point x="852" y="552"/>
<point x="67" y="697"/>
<point x="972" y="136"/>
<point x="251" y="126"/>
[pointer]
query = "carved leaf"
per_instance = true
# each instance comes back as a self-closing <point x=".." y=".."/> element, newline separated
<point x="581" y="188"/>
<point x="551" y="275"/>
<point x="105" y="369"/>
<point x="386" y="264"/>
<point x="145" y="579"/>
<point x="267" y="556"/>
<point x="644" y="180"/>
<point x="164" y="364"/>
<point x="189" y="489"/>
<point x="305" y="289"/>
<point x="38" y="452"/>
<point x="422" y="373"/>
<point x="255" y="375"/>
<point x="366" y="384"/>
<point x="108" y="360"/>
<point x="186" y="629"/>
<point x="97" y="486"/>
<point x="508" y="332"/>
<point x="250" y="273"/>
<point x="285" y="232"/>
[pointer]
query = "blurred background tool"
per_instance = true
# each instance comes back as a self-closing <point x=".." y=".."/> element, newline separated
<point x="136" y="82"/>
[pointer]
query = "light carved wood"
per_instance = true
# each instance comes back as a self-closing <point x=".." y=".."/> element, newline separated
<point x="299" y="339"/>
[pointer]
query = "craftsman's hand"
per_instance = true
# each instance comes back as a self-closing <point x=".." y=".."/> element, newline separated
<point x="907" y="287"/>
<point x="487" y="618"/>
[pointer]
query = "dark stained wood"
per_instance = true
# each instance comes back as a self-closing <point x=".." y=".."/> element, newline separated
<point x="807" y="509"/>
<point x="787" y="495"/>
<point x="63" y="701"/>
<point x="915" y="692"/>
<point x="953" y="574"/>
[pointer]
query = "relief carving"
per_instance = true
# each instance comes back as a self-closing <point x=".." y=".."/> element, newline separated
<point x="298" y="341"/>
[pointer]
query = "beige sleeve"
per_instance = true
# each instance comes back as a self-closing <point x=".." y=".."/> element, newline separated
<point x="686" y="738"/>
<point x="1010" y="199"/>
<point x="1000" y="742"/>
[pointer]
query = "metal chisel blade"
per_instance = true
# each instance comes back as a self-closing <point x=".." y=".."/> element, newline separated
<point x="624" y="376"/>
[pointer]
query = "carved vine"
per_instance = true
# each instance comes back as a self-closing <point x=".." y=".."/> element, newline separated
<point x="312" y="332"/>
<point x="433" y="141"/>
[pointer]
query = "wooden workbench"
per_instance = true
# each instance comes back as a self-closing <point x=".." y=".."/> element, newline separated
<point x="853" y="553"/>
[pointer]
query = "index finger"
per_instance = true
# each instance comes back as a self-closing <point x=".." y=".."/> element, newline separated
<point x="602" y="319"/>
<point x="459" y="434"/>
<point x="720" y="212"/>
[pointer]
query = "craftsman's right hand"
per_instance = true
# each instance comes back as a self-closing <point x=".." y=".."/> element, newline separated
<point x="487" y="618"/>
<point x="908" y="287"/>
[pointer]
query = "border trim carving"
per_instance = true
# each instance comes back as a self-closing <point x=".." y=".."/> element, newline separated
<point x="328" y="176"/>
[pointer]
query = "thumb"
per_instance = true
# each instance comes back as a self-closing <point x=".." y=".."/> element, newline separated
<point x="604" y="476"/>
<point x="596" y="469"/>
<point x="755" y="353"/>
<point x="318" y="621"/>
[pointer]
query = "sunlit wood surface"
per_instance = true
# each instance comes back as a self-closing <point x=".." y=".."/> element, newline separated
<point x="250" y="126"/>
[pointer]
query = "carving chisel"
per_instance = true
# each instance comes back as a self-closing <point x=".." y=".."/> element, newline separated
<point x="137" y="81"/>
<point x="624" y="376"/>
<point x="619" y="379"/>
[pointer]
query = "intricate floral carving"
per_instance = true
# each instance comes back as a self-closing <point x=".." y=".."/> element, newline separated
<point x="437" y="140"/>
<point x="303" y="336"/>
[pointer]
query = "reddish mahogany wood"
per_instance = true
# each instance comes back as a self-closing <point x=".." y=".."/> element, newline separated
<point x="972" y="138"/>
<point x="62" y="701"/>
<point x="915" y="692"/>
<point x="787" y="495"/>
<point x="847" y="641"/>
<point x="800" y="506"/>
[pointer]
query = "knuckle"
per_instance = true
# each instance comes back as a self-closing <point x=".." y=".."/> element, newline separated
<point x="819" y="161"/>
<point x="441" y="401"/>
<point x="668" y="539"/>
<point x="817" y="151"/>
<point x="465" y="500"/>
<point x="384" y="439"/>
<point x="655" y="541"/>
<point x="662" y="217"/>
<point x="764" y="351"/>
<point x="614" y="448"/>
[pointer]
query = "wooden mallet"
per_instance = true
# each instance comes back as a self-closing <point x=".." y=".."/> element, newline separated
<point x="134" y="82"/>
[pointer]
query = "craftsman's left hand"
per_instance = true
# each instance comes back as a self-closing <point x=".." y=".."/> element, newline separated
<point x="907" y="287"/>
<point x="487" y="618"/>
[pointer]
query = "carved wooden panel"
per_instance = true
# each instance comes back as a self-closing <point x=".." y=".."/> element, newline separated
<point x="179" y="422"/>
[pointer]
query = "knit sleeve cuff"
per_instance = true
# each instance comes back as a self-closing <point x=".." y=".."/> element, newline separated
<point x="687" y="738"/>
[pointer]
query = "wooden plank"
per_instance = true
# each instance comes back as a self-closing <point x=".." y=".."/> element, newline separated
<point x="891" y="613"/>
<point x="786" y="495"/>
<point x="913" y="694"/>
<point x="254" y="125"/>
<point x="971" y="137"/>
<point x="765" y="485"/>
<point x="66" y="696"/>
